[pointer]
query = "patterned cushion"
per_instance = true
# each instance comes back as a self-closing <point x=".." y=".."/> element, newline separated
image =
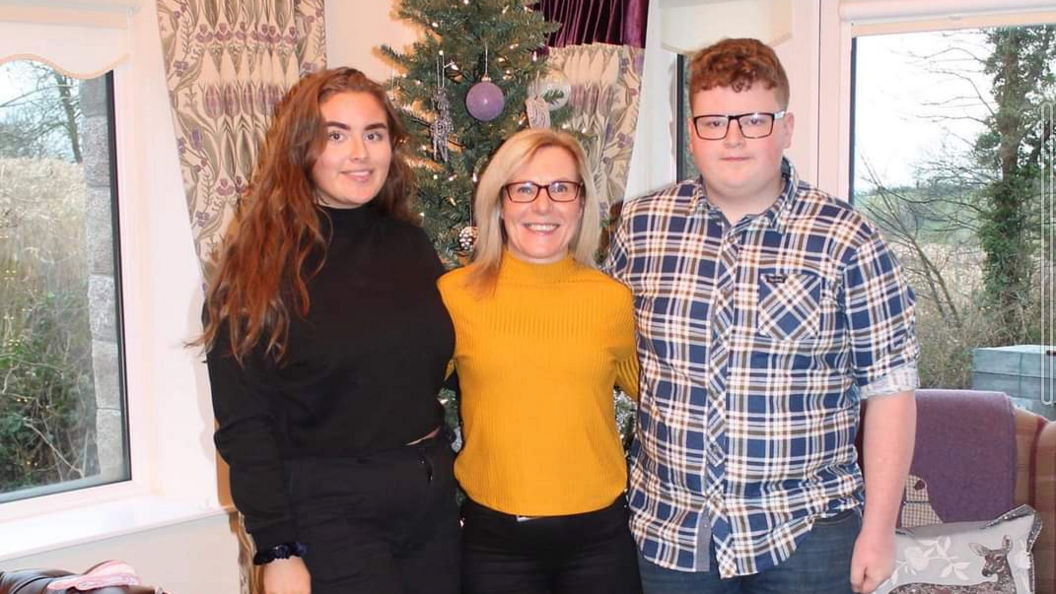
<point x="995" y="557"/>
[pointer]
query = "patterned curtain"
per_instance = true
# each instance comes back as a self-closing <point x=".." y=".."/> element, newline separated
<point x="228" y="63"/>
<point x="600" y="50"/>
<point x="606" y="85"/>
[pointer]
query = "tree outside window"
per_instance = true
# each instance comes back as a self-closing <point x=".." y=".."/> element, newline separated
<point x="62" y="423"/>
<point x="948" y="152"/>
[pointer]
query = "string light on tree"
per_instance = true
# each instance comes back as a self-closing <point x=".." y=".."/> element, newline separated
<point x="486" y="106"/>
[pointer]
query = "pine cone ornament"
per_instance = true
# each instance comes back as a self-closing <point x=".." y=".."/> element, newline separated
<point x="467" y="238"/>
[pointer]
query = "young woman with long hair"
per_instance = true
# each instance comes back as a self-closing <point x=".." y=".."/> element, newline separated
<point x="326" y="343"/>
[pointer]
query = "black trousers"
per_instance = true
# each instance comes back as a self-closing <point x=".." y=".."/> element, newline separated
<point x="382" y="524"/>
<point x="578" y="554"/>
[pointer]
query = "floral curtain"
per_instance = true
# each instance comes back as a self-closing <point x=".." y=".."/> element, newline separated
<point x="606" y="85"/>
<point x="600" y="50"/>
<point x="228" y="63"/>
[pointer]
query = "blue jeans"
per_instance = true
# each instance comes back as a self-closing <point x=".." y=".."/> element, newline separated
<point x="820" y="565"/>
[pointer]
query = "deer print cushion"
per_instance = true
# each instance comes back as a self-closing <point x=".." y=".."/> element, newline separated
<point x="967" y="557"/>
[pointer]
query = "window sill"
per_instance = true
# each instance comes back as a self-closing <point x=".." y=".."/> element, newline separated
<point x="60" y="529"/>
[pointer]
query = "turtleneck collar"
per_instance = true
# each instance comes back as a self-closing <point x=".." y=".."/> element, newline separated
<point x="517" y="269"/>
<point x="351" y="219"/>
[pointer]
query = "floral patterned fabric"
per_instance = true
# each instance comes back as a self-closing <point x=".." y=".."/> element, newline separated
<point x="967" y="557"/>
<point x="606" y="89"/>
<point x="228" y="63"/>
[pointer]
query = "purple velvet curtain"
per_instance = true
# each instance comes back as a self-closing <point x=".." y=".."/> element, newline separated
<point x="619" y="22"/>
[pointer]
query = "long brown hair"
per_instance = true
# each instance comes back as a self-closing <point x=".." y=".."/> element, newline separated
<point x="261" y="275"/>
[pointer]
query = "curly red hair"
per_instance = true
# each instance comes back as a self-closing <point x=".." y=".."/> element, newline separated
<point x="738" y="64"/>
<point x="261" y="275"/>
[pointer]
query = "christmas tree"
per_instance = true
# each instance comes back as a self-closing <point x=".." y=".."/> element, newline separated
<point x="462" y="87"/>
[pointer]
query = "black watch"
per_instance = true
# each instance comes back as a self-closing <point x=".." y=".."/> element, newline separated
<point x="280" y="551"/>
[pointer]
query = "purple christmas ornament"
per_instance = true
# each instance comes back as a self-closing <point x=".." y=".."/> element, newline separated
<point x="485" y="100"/>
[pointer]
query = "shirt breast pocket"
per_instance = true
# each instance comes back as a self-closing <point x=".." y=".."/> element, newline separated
<point x="790" y="305"/>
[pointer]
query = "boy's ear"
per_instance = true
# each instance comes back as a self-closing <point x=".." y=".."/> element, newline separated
<point x="789" y="121"/>
<point x="691" y="131"/>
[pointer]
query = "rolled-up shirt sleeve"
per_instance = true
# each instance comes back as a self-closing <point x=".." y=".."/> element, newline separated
<point x="879" y="306"/>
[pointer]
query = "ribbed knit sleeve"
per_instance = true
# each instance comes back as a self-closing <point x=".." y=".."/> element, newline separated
<point x="537" y="361"/>
<point x="627" y="374"/>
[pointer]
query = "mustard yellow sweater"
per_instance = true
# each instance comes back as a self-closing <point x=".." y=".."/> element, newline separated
<point x="536" y="361"/>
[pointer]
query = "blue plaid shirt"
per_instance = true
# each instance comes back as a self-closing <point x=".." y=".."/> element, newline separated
<point x="757" y="340"/>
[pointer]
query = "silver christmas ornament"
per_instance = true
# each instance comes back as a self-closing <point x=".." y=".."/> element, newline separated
<point x="442" y="125"/>
<point x="553" y="81"/>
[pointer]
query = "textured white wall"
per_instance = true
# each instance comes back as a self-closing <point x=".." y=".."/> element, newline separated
<point x="195" y="557"/>
<point x="355" y="30"/>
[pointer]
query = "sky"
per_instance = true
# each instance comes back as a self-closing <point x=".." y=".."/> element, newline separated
<point x="903" y="98"/>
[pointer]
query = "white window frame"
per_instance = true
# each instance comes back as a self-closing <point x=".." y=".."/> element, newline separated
<point x="170" y="423"/>
<point x="852" y="18"/>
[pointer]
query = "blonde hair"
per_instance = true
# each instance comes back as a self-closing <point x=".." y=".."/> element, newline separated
<point x="510" y="158"/>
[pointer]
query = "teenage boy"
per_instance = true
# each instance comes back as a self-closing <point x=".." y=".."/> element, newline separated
<point x="766" y="310"/>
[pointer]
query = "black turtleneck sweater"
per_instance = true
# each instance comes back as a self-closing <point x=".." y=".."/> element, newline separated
<point x="360" y="375"/>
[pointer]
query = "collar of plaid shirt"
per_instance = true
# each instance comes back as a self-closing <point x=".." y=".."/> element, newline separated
<point x="755" y="339"/>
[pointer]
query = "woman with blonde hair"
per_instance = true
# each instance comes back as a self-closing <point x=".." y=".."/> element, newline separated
<point x="541" y="338"/>
<point x="326" y="344"/>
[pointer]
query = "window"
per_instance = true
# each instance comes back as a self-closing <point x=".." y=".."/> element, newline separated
<point x="687" y="168"/>
<point x="947" y="152"/>
<point x="62" y="404"/>
<point x="171" y="468"/>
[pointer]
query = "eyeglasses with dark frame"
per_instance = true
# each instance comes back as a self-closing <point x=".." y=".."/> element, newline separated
<point x="523" y="192"/>
<point x="757" y="124"/>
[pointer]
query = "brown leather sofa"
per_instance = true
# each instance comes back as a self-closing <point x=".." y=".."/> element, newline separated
<point x="35" y="581"/>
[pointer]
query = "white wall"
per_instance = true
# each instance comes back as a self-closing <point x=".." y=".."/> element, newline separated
<point x="186" y="558"/>
<point x="653" y="164"/>
<point x="355" y="30"/>
<point x="799" y="55"/>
